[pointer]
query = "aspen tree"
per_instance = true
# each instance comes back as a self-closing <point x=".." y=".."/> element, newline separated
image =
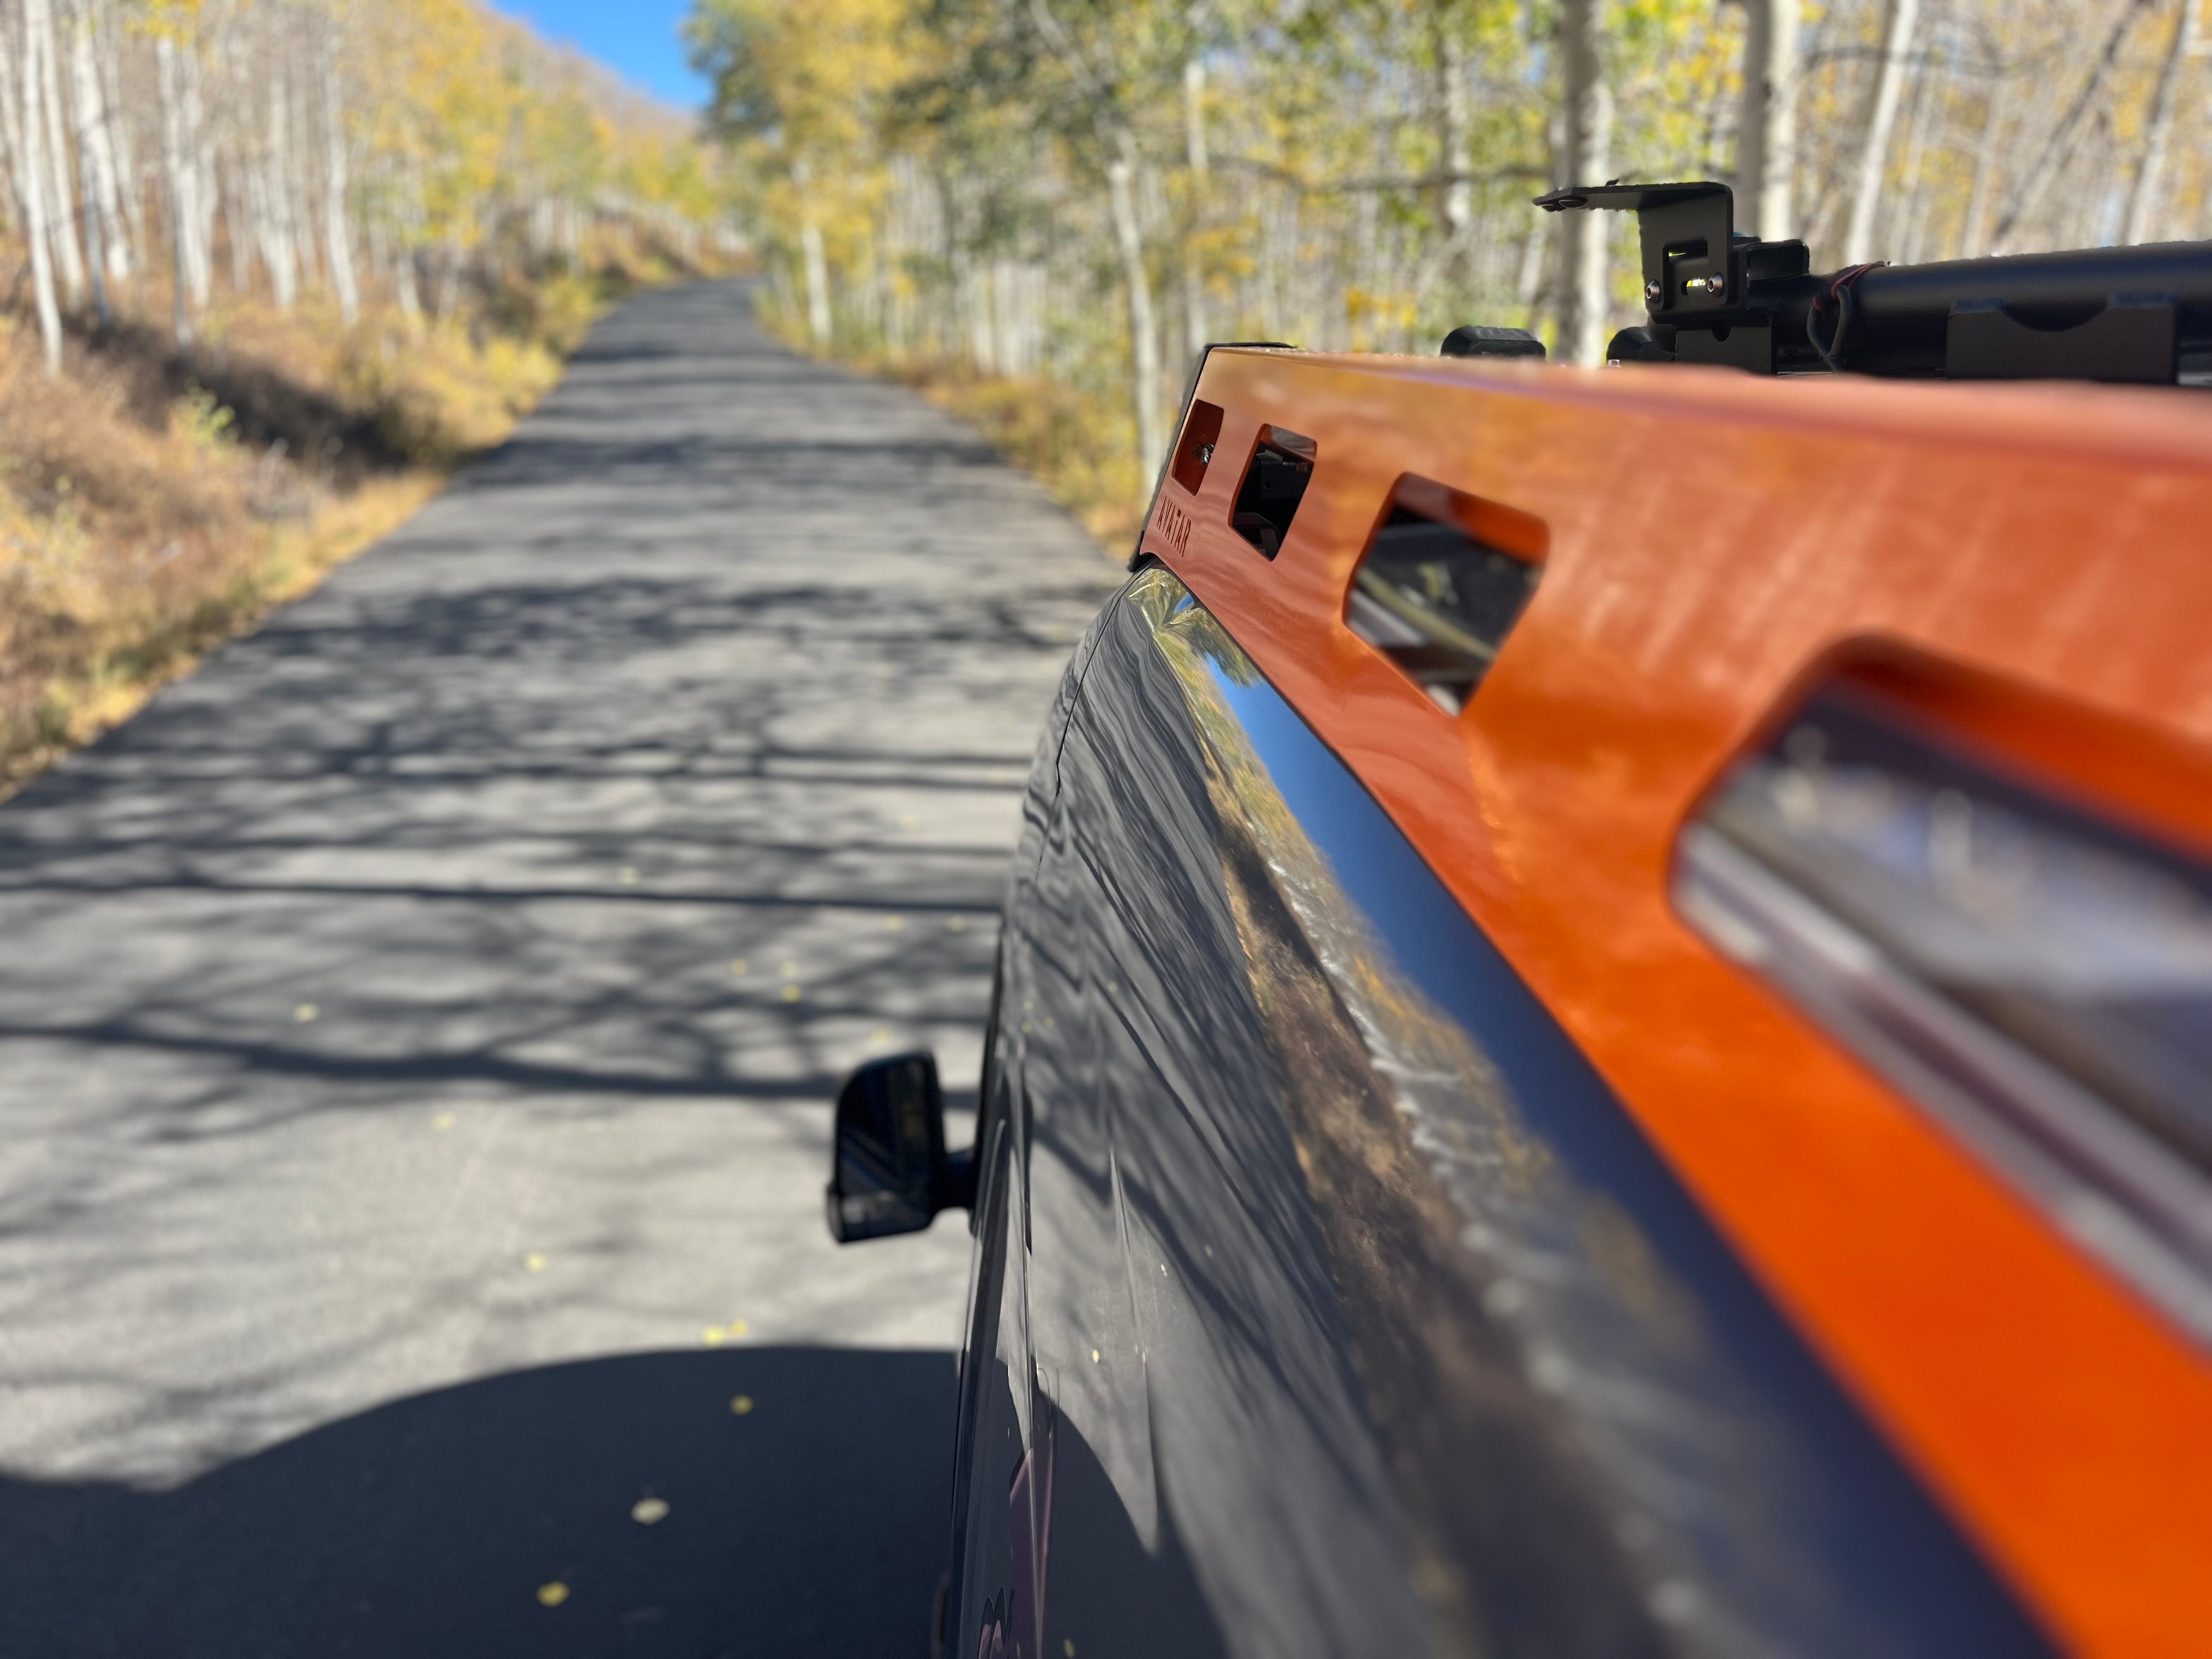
<point x="2144" y="194"/>
<point x="1144" y="331"/>
<point x="1453" y="119"/>
<point x="815" y="262"/>
<point x="1198" y="166"/>
<point x="1899" y="17"/>
<point x="1115" y="179"/>
<point x="1767" y="122"/>
<point x="1587" y="98"/>
<point x="800" y="87"/>
<point x="60" y="196"/>
<point x="103" y="190"/>
<point x="26" y="136"/>
<point x="109" y="52"/>
<point x="182" y="180"/>
<point x="242" y="105"/>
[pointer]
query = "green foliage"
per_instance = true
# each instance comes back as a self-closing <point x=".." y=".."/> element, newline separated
<point x="930" y="180"/>
<point x="200" y="421"/>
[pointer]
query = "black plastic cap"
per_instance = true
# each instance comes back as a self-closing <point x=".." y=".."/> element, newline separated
<point x="1481" y="340"/>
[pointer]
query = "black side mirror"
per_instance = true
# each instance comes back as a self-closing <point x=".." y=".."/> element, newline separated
<point x="889" y="1170"/>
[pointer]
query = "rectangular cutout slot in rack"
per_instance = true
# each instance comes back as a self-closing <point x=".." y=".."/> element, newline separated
<point x="1194" y="452"/>
<point x="1275" y="481"/>
<point x="1438" y="591"/>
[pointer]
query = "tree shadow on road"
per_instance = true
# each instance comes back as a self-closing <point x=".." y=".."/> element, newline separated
<point x="812" y="1521"/>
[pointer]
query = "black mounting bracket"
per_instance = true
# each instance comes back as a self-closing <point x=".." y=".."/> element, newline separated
<point x="2131" y="314"/>
<point x="1688" y="234"/>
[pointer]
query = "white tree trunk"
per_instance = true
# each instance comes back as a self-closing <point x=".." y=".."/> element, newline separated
<point x="811" y="252"/>
<point x="26" y="137"/>
<point x="1196" y="159"/>
<point x="1766" y="128"/>
<point x="181" y="178"/>
<point x="1453" y="125"/>
<point x="1144" y="331"/>
<point x="811" y="256"/>
<point x="2142" y="200"/>
<point x="451" y="268"/>
<point x="277" y="249"/>
<point x="406" y="271"/>
<point x="1930" y="95"/>
<point x="61" y="195"/>
<point x="198" y="159"/>
<point x="1899" y="19"/>
<point x="97" y="229"/>
<point x="130" y="183"/>
<point x="237" y="216"/>
<point x="1528" y="279"/>
<point x="96" y="152"/>
<point x="1585" y="304"/>
<point x="250" y="178"/>
<point x="338" y="237"/>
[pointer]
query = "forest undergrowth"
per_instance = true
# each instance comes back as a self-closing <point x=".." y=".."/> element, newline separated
<point x="154" y="502"/>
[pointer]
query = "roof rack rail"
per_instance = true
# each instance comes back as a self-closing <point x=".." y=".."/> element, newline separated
<point x="2139" y="315"/>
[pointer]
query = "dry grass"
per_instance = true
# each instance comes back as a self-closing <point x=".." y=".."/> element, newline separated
<point x="153" y="505"/>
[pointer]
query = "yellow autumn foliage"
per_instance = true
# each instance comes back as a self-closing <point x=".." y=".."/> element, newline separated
<point x="934" y="187"/>
<point x="493" y="195"/>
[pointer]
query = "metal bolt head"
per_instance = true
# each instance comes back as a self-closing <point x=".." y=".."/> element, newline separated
<point x="1651" y="292"/>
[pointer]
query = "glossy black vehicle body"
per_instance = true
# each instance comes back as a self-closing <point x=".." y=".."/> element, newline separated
<point x="1326" y="1301"/>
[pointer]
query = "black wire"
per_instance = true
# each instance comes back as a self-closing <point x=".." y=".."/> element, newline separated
<point x="1840" y="291"/>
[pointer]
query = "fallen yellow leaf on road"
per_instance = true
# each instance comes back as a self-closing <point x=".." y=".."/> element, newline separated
<point x="443" y="1121"/>
<point x="552" y="1595"/>
<point x="742" y="1405"/>
<point x="533" y="1263"/>
<point x="628" y="877"/>
<point x="648" y="1510"/>
<point x="894" y="923"/>
<point x="792" y="994"/>
<point x="712" y="1336"/>
<point x="305" y="1011"/>
<point x="739" y="967"/>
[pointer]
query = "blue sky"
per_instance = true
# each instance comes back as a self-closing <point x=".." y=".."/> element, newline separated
<point x="636" y="38"/>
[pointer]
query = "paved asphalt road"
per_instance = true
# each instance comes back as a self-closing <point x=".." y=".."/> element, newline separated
<point x="416" y="1031"/>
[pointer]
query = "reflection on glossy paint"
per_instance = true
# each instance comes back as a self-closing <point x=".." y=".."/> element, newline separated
<point x="1604" y="1329"/>
<point x="1601" y="1437"/>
